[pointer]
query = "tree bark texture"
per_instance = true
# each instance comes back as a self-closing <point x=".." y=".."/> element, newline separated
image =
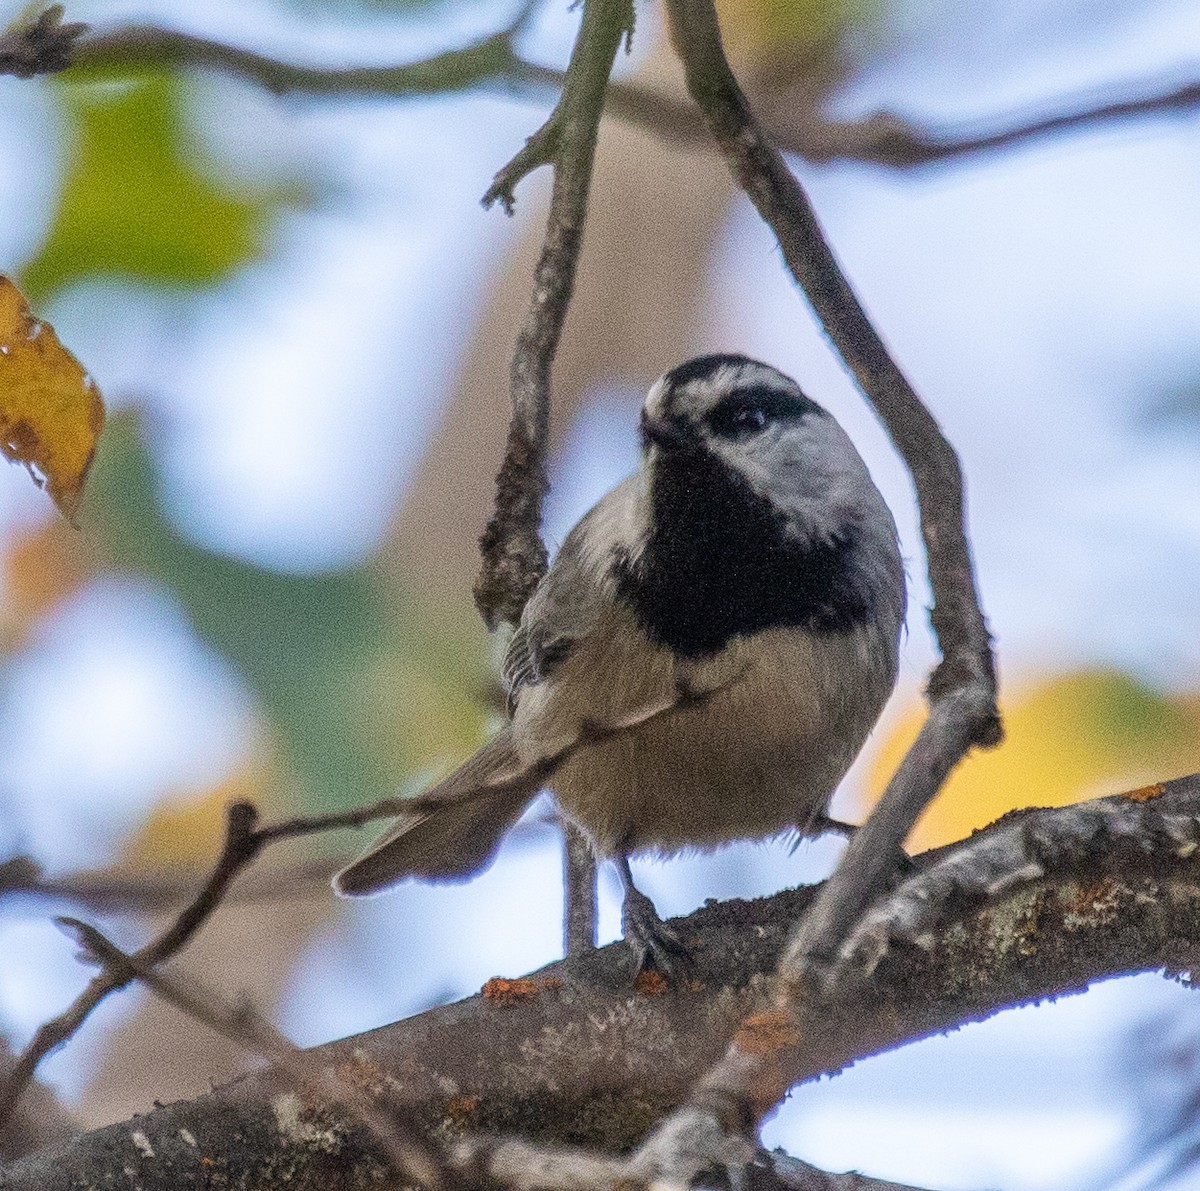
<point x="571" y="1055"/>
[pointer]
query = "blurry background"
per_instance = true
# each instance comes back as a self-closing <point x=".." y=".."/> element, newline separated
<point x="301" y="321"/>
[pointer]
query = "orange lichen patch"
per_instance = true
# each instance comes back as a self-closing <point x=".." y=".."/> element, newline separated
<point x="208" y="1162"/>
<point x="461" y="1109"/>
<point x="649" y="982"/>
<point x="500" y="991"/>
<point x="361" y="1073"/>
<point x="1146" y="793"/>
<point x="51" y="412"/>
<point x="1097" y="900"/>
<point x="550" y="982"/>
<point x="766" y="1033"/>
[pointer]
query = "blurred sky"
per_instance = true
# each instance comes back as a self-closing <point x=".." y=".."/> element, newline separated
<point x="1043" y="300"/>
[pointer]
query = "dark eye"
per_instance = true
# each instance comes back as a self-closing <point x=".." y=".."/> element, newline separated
<point x="738" y="419"/>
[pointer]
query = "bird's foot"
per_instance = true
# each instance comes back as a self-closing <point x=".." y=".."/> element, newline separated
<point x="656" y="947"/>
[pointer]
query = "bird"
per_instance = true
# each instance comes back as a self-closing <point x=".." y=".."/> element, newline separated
<point x="704" y="658"/>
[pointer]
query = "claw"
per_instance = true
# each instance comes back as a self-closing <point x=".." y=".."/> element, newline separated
<point x="655" y="945"/>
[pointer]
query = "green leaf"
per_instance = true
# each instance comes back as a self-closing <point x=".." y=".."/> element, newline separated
<point x="140" y="199"/>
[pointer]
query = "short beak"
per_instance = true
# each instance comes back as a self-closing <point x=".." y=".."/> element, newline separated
<point x="659" y="432"/>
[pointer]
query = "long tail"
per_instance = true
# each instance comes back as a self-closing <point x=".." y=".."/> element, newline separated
<point x="452" y="841"/>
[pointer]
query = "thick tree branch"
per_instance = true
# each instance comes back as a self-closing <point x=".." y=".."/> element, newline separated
<point x="473" y="1162"/>
<point x="405" y="1148"/>
<point x="514" y="557"/>
<point x="569" y="1057"/>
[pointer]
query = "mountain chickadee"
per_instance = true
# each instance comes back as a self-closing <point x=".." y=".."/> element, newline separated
<point x="703" y="660"/>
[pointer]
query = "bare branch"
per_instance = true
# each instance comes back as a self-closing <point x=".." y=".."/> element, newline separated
<point x="41" y="46"/>
<point x="39" y="1120"/>
<point x="123" y="890"/>
<point x="489" y="60"/>
<point x="754" y="1074"/>
<point x="881" y="139"/>
<point x="239" y="849"/>
<point x="571" y="1056"/>
<point x="514" y="556"/>
<point x="400" y="1140"/>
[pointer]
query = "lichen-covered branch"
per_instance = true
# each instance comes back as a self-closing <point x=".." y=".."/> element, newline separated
<point x="570" y="1057"/>
<point x="514" y="556"/>
<point x="409" y="1153"/>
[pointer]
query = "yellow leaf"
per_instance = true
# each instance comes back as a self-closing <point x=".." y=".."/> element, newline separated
<point x="51" y="412"/>
<point x="1067" y="738"/>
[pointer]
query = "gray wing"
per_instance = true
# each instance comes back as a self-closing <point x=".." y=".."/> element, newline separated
<point x="571" y="600"/>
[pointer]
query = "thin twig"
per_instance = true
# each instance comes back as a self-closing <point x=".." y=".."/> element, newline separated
<point x="43" y="45"/>
<point x="358" y="816"/>
<point x="39" y="1120"/>
<point x="514" y="556"/>
<point x="129" y="890"/>
<point x="239" y="849"/>
<point x="589" y="734"/>
<point x="882" y="139"/>
<point x="399" y="1138"/>
<point x="486" y="61"/>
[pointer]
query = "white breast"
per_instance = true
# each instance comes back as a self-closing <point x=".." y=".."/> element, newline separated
<point x="785" y="714"/>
